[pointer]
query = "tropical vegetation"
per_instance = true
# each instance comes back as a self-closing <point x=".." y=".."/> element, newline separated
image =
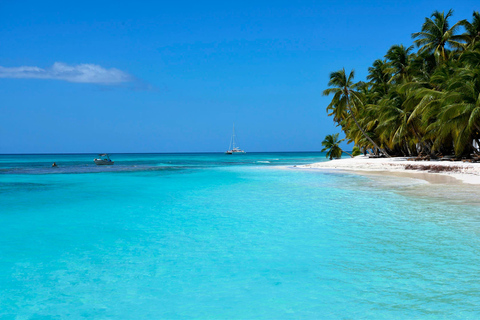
<point x="332" y="146"/>
<point x="415" y="102"/>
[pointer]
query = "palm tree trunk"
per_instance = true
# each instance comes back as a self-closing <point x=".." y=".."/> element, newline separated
<point x="364" y="134"/>
<point x="424" y="145"/>
<point x="408" y="150"/>
<point x="347" y="153"/>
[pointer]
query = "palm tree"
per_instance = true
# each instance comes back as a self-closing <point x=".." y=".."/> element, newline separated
<point x="346" y="101"/>
<point x="379" y="74"/>
<point x="395" y="125"/>
<point x="473" y="29"/>
<point x="423" y="102"/>
<point x="422" y="66"/>
<point x="331" y="143"/>
<point x="471" y="57"/>
<point x="459" y="116"/>
<point x="399" y="58"/>
<point x="437" y="36"/>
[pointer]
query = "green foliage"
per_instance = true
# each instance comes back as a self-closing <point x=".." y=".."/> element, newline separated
<point x="331" y="145"/>
<point x="347" y="103"/>
<point x="356" y="151"/>
<point x="425" y="102"/>
<point x="437" y="37"/>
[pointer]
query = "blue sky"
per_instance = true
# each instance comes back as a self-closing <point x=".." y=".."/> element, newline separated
<point x="99" y="76"/>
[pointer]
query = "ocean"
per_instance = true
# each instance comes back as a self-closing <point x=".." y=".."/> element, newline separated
<point x="214" y="236"/>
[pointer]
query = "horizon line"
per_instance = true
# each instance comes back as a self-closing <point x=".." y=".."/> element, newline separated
<point x="187" y="152"/>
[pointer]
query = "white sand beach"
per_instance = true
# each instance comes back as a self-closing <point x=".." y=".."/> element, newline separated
<point x="466" y="172"/>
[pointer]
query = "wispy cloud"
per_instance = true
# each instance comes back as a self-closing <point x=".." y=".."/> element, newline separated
<point x="81" y="73"/>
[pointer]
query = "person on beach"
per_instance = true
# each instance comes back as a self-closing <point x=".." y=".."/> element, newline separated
<point x="54" y="165"/>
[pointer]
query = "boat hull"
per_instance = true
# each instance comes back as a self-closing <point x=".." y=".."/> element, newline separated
<point x="102" y="162"/>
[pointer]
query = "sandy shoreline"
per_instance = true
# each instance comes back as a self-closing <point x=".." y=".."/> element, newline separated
<point x="426" y="170"/>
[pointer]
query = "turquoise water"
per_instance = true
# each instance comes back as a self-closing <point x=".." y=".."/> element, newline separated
<point x="211" y="236"/>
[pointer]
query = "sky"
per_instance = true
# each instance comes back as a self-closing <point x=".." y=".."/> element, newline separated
<point x="173" y="76"/>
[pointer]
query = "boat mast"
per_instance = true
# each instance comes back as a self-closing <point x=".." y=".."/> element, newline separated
<point x="233" y="136"/>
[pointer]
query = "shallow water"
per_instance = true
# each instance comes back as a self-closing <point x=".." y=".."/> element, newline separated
<point x="229" y="237"/>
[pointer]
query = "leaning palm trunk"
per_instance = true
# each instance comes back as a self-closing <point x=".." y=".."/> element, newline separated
<point x="351" y="155"/>
<point x="365" y="134"/>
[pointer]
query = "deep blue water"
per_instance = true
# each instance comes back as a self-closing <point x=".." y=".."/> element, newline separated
<point x="212" y="236"/>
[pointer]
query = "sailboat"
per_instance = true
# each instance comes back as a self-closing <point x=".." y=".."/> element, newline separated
<point x="232" y="149"/>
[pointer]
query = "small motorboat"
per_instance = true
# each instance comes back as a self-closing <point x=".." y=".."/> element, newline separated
<point x="103" y="159"/>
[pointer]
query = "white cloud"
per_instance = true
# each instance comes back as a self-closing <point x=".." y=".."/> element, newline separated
<point x="82" y="73"/>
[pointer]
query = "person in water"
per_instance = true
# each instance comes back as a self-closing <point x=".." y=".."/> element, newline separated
<point x="54" y="164"/>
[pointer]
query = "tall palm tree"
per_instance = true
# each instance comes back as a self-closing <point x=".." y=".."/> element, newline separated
<point x="346" y="101"/>
<point x="331" y="145"/>
<point x="437" y="37"/>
